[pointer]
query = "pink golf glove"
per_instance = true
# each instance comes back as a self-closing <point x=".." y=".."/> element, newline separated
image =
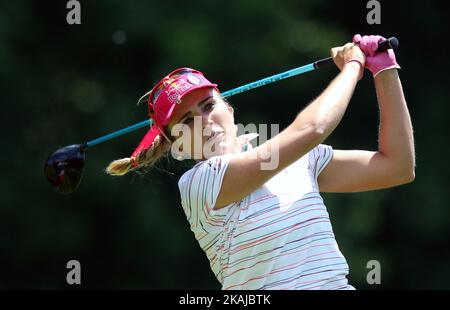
<point x="376" y="62"/>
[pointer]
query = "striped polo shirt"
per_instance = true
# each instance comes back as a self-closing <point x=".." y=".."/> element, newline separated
<point x="278" y="237"/>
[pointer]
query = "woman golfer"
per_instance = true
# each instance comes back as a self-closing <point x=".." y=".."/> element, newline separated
<point x="257" y="212"/>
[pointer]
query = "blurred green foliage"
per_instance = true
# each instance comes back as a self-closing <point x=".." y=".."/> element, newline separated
<point x="63" y="84"/>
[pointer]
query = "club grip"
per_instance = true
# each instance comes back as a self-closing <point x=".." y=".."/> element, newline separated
<point x="391" y="43"/>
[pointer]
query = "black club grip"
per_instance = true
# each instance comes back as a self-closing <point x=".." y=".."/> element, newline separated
<point x="391" y="43"/>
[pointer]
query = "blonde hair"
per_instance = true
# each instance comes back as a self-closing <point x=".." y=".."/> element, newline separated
<point x="145" y="159"/>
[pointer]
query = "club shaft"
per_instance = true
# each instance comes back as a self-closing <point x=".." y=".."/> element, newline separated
<point x="118" y="133"/>
<point x="383" y="46"/>
<point x="269" y="80"/>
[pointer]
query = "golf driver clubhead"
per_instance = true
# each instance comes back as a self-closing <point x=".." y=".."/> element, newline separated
<point x="63" y="169"/>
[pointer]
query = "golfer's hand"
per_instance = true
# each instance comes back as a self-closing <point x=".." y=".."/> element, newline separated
<point x="376" y="62"/>
<point x="348" y="54"/>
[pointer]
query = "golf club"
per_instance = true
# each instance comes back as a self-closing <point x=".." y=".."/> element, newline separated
<point x="63" y="169"/>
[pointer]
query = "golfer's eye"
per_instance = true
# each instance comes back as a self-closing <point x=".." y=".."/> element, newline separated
<point x="209" y="106"/>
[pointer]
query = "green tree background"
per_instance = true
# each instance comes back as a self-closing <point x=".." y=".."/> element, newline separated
<point x="63" y="84"/>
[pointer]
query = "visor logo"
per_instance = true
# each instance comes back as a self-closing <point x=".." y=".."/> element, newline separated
<point x="175" y="90"/>
<point x="168" y="81"/>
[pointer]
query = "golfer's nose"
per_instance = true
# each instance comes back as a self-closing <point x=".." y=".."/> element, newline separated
<point x="206" y="121"/>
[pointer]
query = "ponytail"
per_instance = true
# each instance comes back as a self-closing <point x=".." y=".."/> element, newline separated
<point x="144" y="159"/>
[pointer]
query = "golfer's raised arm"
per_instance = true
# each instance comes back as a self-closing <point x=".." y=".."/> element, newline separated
<point x="311" y="126"/>
<point x="396" y="140"/>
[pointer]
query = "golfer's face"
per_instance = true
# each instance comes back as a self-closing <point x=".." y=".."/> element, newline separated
<point x="206" y="123"/>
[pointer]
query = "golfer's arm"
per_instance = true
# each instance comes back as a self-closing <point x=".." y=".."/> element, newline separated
<point x="248" y="171"/>
<point x="394" y="162"/>
<point x="396" y="139"/>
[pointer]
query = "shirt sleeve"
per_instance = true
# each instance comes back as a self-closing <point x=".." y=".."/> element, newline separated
<point x="199" y="188"/>
<point x="319" y="158"/>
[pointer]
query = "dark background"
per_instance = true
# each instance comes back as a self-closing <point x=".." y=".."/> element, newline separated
<point x="63" y="84"/>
